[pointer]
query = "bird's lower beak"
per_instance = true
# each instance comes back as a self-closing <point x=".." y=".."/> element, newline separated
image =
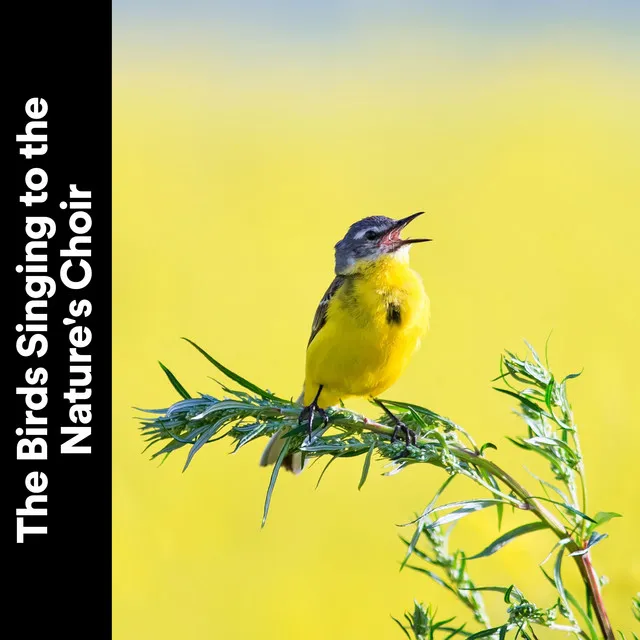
<point x="400" y="225"/>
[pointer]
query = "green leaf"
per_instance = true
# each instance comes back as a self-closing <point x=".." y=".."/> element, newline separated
<point x="571" y="376"/>
<point x="422" y="411"/>
<point x="481" y="504"/>
<point x="205" y="436"/>
<point x="548" y="394"/>
<point x="560" y="543"/>
<point x="455" y="632"/>
<point x="366" y="465"/>
<point x="522" y="399"/>
<point x="434" y="576"/>
<point x="326" y="466"/>
<point x="174" y="381"/>
<point x="418" y="418"/>
<point x="544" y="484"/>
<point x="251" y="435"/>
<point x="492" y="482"/>
<point x="441" y="623"/>
<point x="557" y="579"/>
<point x="593" y="634"/>
<point x="553" y="442"/>
<point x="507" y="592"/>
<point x="594" y="538"/>
<point x="522" y="632"/>
<point x="274" y="477"/>
<point x="498" y="543"/>
<point x="534" y="353"/>
<point x="416" y="534"/>
<point x="487" y="445"/>
<point x="234" y="376"/>
<point x="485" y="633"/>
<point x="471" y="507"/>
<point x="406" y="633"/>
<point x="603" y="516"/>
<point x="568" y="507"/>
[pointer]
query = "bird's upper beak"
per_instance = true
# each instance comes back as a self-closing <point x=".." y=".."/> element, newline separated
<point x="393" y="236"/>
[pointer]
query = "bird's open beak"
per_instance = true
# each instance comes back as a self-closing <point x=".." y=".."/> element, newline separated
<point x="393" y="237"/>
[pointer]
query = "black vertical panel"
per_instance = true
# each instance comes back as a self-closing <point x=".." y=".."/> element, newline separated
<point x="59" y="582"/>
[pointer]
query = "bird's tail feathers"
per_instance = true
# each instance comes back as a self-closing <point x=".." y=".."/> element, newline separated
<point x="292" y="462"/>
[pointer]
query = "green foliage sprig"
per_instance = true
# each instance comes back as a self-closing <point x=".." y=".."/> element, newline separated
<point x="560" y="506"/>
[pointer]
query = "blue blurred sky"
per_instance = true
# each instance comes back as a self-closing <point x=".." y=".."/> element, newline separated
<point x="329" y="15"/>
<point x="465" y="29"/>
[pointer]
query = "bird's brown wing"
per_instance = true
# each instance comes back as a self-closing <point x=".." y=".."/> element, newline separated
<point x="320" y="318"/>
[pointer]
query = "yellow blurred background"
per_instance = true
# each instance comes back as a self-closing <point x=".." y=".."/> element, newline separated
<point x="241" y="154"/>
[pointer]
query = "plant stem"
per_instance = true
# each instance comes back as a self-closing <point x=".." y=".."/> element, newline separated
<point x="589" y="574"/>
<point x="583" y="561"/>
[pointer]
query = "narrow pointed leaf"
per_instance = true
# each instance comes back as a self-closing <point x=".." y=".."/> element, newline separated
<point x="560" y="543"/>
<point x="272" y="481"/>
<point x="522" y="399"/>
<point x="441" y="623"/>
<point x="484" y="502"/>
<point x="366" y="465"/>
<point x="548" y="485"/>
<point x="205" y="437"/>
<point x="326" y="466"/>
<point x="486" y="633"/>
<point x="557" y="579"/>
<point x="502" y="590"/>
<point x="498" y="543"/>
<point x="416" y="534"/>
<point x="594" y="538"/>
<point x="252" y="435"/>
<point x="548" y="394"/>
<point x="406" y="633"/>
<point x="568" y="507"/>
<point x="553" y="442"/>
<point x="234" y="376"/>
<point x="593" y="634"/>
<point x="434" y="576"/>
<point x="455" y="632"/>
<point x="471" y="507"/>
<point x="175" y="383"/>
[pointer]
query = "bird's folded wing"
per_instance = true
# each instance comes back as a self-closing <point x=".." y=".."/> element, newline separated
<point x="320" y="318"/>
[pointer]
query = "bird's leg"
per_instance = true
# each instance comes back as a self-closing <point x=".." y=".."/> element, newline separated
<point x="409" y="434"/>
<point x="308" y="414"/>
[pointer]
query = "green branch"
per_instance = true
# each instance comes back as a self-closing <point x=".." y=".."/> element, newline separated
<point x="250" y="412"/>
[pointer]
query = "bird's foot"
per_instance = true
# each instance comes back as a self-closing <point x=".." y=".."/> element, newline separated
<point x="410" y="437"/>
<point x="308" y="414"/>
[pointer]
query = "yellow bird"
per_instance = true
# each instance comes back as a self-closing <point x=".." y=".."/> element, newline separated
<point x="366" y="327"/>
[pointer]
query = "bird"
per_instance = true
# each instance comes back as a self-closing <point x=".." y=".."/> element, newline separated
<point x="368" y="324"/>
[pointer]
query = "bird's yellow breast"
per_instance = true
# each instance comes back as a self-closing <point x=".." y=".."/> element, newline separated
<point x="374" y="323"/>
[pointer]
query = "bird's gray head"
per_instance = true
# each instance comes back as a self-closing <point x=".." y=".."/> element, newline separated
<point x="372" y="237"/>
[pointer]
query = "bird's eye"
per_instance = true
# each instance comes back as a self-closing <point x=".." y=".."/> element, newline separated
<point x="371" y="235"/>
